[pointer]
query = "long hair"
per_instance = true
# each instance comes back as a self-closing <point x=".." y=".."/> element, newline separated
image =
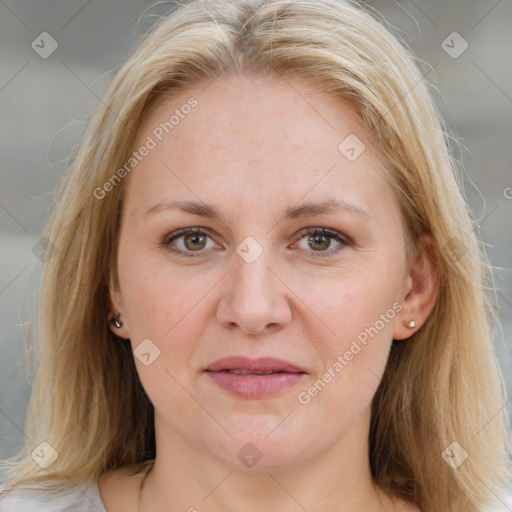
<point x="441" y="396"/>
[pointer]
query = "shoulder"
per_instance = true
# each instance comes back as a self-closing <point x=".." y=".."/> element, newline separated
<point x="501" y="504"/>
<point x="52" y="496"/>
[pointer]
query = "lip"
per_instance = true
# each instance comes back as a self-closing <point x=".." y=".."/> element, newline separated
<point x="261" y="364"/>
<point x="255" y="386"/>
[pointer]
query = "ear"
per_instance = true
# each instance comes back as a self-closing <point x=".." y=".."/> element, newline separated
<point x="420" y="292"/>
<point x="115" y="305"/>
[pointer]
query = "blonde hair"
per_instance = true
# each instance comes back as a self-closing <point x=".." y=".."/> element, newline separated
<point x="441" y="386"/>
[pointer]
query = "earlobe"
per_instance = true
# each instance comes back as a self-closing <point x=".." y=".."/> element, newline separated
<point x="421" y="292"/>
<point x="115" y="321"/>
<point x="114" y="317"/>
<point x="117" y="326"/>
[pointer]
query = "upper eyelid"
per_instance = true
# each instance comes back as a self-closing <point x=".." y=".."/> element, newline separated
<point x="303" y="232"/>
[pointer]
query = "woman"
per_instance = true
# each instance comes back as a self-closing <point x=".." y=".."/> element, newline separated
<point x="264" y="290"/>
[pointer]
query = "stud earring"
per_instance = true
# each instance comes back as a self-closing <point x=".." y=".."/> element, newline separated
<point x="115" y="321"/>
<point x="410" y="323"/>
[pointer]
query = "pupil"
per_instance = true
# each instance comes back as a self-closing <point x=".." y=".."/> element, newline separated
<point x="195" y="242"/>
<point x="322" y="241"/>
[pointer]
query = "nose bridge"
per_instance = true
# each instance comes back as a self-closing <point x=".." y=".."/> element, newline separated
<point x="251" y="276"/>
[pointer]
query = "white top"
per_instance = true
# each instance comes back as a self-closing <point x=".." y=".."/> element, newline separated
<point x="82" y="497"/>
<point x="85" y="497"/>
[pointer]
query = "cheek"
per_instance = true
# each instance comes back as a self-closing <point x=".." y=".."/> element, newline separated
<point x="349" y="301"/>
<point x="354" y="355"/>
<point x="357" y="308"/>
<point x="167" y="308"/>
<point x="161" y="303"/>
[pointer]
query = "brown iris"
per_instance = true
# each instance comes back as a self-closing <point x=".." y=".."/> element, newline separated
<point x="319" y="242"/>
<point x="195" y="241"/>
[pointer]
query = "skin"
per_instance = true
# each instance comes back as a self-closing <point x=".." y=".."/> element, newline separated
<point x="253" y="147"/>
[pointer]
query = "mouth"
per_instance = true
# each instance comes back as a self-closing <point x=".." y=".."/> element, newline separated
<point x="255" y="378"/>
<point x="242" y="371"/>
<point x="259" y="366"/>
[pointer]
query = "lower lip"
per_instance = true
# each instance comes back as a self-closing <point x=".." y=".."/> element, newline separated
<point x="258" y="386"/>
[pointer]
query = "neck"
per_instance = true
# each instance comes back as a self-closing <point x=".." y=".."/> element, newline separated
<point x="189" y="478"/>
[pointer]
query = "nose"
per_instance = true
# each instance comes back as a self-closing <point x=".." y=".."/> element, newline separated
<point x="254" y="298"/>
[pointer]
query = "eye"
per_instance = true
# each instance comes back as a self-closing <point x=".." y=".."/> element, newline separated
<point x="322" y="240"/>
<point x="195" y="241"/>
<point x="188" y="241"/>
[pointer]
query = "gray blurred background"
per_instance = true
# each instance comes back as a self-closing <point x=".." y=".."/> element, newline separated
<point x="44" y="99"/>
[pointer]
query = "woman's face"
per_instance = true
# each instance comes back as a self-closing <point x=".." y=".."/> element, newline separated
<point x="296" y="252"/>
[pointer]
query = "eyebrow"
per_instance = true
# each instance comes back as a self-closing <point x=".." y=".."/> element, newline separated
<point x="294" y="212"/>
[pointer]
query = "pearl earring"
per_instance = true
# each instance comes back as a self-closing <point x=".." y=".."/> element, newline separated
<point x="410" y="323"/>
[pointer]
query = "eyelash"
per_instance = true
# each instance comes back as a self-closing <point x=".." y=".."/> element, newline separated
<point x="310" y="231"/>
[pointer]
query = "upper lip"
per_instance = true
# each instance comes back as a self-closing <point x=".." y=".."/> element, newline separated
<point x="261" y="364"/>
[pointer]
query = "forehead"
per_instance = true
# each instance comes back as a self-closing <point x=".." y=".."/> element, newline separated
<point x="257" y="136"/>
<point x="253" y="108"/>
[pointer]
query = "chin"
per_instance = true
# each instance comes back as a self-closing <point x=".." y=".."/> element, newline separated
<point x="257" y="450"/>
